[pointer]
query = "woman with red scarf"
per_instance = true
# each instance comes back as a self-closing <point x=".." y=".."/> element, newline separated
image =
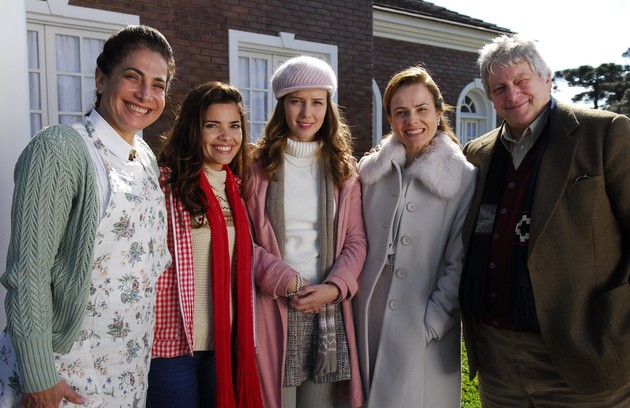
<point x="204" y="352"/>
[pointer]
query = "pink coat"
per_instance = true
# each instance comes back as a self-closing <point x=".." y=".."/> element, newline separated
<point x="272" y="277"/>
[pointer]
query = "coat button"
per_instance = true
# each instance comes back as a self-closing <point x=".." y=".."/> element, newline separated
<point x="394" y="304"/>
<point x="412" y="207"/>
<point x="401" y="273"/>
<point x="405" y="240"/>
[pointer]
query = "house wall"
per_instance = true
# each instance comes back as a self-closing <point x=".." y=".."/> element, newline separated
<point x="198" y="33"/>
<point x="451" y="69"/>
<point x="14" y="105"/>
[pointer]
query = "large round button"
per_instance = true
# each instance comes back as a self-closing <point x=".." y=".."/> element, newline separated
<point x="394" y="304"/>
<point x="401" y="273"/>
<point x="405" y="240"/>
<point x="412" y="207"/>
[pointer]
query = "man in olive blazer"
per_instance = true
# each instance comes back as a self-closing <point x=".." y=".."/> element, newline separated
<point x="578" y="255"/>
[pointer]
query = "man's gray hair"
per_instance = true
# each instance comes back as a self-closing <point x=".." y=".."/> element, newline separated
<point x="507" y="50"/>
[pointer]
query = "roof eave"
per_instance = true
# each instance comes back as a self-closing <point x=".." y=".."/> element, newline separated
<point x="422" y="29"/>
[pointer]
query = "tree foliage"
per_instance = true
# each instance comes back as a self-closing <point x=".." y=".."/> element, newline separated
<point x="606" y="86"/>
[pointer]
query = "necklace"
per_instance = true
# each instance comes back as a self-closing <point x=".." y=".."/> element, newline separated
<point x="212" y="174"/>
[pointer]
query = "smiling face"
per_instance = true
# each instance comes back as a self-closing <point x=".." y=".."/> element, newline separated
<point x="134" y="95"/>
<point x="305" y="111"/>
<point x="413" y="118"/>
<point x="519" y="95"/>
<point x="222" y="134"/>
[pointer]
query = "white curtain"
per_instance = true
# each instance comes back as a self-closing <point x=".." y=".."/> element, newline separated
<point x="75" y="61"/>
<point x="254" y="85"/>
<point x="34" y="81"/>
<point x="68" y="53"/>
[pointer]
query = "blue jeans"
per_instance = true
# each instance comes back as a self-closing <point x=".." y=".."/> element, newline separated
<point x="183" y="381"/>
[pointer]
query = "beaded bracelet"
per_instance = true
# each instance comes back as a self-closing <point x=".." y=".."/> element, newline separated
<point x="299" y="285"/>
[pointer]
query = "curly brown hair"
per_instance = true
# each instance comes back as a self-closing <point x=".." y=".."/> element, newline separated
<point x="182" y="151"/>
<point x="335" y="135"/>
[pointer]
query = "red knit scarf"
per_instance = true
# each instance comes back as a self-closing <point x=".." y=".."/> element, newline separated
<point x="243" y="390"/>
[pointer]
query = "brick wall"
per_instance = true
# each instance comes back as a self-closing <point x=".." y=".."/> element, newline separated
<point x="198" y="32"/>
<point x="452" y="70"/>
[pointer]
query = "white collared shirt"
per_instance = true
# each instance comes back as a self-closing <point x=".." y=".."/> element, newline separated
<point x="119" y="147"/>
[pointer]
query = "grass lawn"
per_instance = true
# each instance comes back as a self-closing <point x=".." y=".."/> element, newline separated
<point x="470" y="395"/>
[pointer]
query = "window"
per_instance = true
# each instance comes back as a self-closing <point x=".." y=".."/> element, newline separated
<point x="255" y="71"/>
<point x="36" y="85"/>
<point x="475" y="113"/>
<point x="63" y="43"/>
<point x="253" y="60"/>
<point x="377" y="114"/>
<point x="469" y="121"/>
<point x="61" y="64"/>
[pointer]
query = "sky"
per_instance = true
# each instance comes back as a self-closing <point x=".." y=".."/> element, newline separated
<point x="568" y="33"/>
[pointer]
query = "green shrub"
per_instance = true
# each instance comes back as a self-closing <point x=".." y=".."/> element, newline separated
<point x="470" y="389"/>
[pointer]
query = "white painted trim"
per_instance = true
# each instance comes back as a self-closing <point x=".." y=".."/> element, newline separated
<point x="377" y="122"/>
<point x="59" y="15"/>
<point x="14" y="115"/>
<point x="50" y="9"/>
<point x="419" y="29"/>
<point x="490" y="121"/>
<point x="282" y="44"/>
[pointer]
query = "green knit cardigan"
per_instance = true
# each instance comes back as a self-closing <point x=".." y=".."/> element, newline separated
<point x="54" y="219"/>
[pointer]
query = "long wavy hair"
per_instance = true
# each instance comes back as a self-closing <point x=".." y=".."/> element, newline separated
<point x="420" y="75"/>
<point x="335" y="136"/>
<point x="182" y="151"/>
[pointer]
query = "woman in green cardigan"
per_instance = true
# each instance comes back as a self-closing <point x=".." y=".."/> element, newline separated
<point x="88" y="241"/>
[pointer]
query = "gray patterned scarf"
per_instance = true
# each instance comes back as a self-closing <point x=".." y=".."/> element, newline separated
<point x="317" y="347"/>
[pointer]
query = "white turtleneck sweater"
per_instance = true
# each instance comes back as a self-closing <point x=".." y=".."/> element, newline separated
<point x="301" y="207"/>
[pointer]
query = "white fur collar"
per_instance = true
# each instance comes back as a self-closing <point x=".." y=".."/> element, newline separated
<point x="439" y="167"/>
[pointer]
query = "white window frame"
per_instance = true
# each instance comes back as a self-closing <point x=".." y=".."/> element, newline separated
<point x="48" y="62"/>
<point x="485" y="117"/>
<point x="276" y="49"/>
<point x="51" y="17"/>
<point x="377" y="114"/>
<point x="40" y="70"/>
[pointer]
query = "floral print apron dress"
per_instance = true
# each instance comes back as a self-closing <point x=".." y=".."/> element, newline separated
<point x="109" y="363"/>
